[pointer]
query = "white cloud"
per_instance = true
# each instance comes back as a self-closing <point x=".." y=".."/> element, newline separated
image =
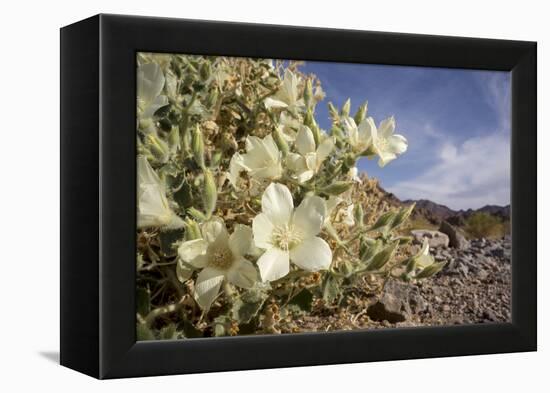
<point x="470" y="175"/>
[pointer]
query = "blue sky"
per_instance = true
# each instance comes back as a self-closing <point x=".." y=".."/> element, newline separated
<point x="457" y="123"/>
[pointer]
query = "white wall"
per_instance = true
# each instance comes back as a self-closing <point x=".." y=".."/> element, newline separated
<point x="29" y="193"/>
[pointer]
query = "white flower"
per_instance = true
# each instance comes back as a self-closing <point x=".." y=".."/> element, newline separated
<point x="221" y="257"/>
<point x="347" y="215"/>
<point x="358" y="136"/>
<point x="384" y="143"/>
<point x="344" y="215"/>
<point x="153" y="207"/>
<point x="289" y="234"/>
<point x="150" y="83"/>
<point x="353" y="175"/>
<point x="262" y="160"/>
<point x="423" y="259"/>
<point x="288" y="125"/>
<point x="287" y="96"/>
<point x="308" y="162"/>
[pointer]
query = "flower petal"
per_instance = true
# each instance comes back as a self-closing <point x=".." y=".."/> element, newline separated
<point x="312" y="254"/>
<point x="262" y="229"/>
<point x="243" y="274"/>
<point x="207" y="287"/>
<point x="277" y="204"/>
<point x="150" y="81"/>
<point x="214" y="231"/>
<point x="324" y="149"/>
<point x="240" y="240"/>
<point x="385" y="157"/>
<point x="387" y="127"/>
<point x="305" y="143"/>
<point x="155" y="105"/>
<point x="274" y="103"/>
<point x="309" y="216"/>
<point x="190" y="250"/>
<point x="397" y="144"/>
<point x="367" y="132"/>
<point x="274" y="264"/>
<point x="236" y="166"/>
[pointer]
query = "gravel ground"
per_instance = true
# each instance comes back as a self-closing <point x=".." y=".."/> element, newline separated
<point x="474" y="287"/>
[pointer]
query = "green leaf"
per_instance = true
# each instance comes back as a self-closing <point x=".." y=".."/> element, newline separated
<point x="168" y="332"/>
<point x="167" y="239"/>
<point x="221" y="325"/>
<point x="384" y="221"/>
<point x="430" y="270"/>
<point x="383" y="257"/>
<point x="403" y="214"/>
<point x="184" y="196"/>
<point x="303" y="300"/>
<point x="246" y="307"/>
<point x="143" y="333"/>
<point x="143" y="301"/>
<point x="331" y="288"/>
<point x="190" y="331"/>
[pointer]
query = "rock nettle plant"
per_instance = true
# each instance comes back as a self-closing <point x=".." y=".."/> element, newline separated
<point x="249" y="215"/>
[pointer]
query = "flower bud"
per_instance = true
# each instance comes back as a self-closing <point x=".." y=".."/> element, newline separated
<point x="333" y="112"/>
<point x="157" y="147"/>
<point x="346" y="108"/>
<point x="205" y="71"/>
<point x="212" y="98"/>
<point x="308" y="92"/>
<point x="361" y="113"/>
<point x="174" y="138"/>
<point x="383" y="257"/>
<point x="337" y="187"/>
<point x="197" y="146"/>
<point x="216" y="158"/>
<point x="358" y="215"/>
<point x="280" y="141"/>
<point x="196" y="214"/>
<point x="210" y="193"/>
<point x="192" y="230"/>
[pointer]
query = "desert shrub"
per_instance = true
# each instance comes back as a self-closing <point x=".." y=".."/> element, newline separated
<point x="482" y="224"/>
<point x="248" y="213"/>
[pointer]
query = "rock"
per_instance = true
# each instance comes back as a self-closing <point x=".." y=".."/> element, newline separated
<point x="482" y="275"/>
<point x="435" y="238"/>
<point x="489" y="315"/>
<point x="446" y="308"/>
<point x="456" y="239"/>
<point x="387" y="308"/>
<point x="418" y="303"/>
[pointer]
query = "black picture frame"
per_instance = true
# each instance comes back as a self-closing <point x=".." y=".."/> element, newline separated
<point x="98" y="198"/>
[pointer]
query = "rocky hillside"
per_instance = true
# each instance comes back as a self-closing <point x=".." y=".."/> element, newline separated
<point x="474" y="287"/>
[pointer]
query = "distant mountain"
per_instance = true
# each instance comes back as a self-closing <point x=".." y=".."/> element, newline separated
<point x="435" y="212"/>
<point x="431" y="210"/>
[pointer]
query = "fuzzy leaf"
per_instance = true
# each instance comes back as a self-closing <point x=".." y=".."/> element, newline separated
<point x="331" y="288"/>
<point x="143" y="301"/>
<point x="303" y="300"/>
<point x="168" y="332"/>
<point x="143" y="333"/>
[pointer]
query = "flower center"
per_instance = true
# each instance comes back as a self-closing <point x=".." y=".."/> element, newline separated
<point x="382" y="143"/>
<point x="220" y="258"/>
<point x="286" y="237"/>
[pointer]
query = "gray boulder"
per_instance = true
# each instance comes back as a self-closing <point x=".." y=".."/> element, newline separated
<point x="435" y="238"/>
<point x="456" y="238"/>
